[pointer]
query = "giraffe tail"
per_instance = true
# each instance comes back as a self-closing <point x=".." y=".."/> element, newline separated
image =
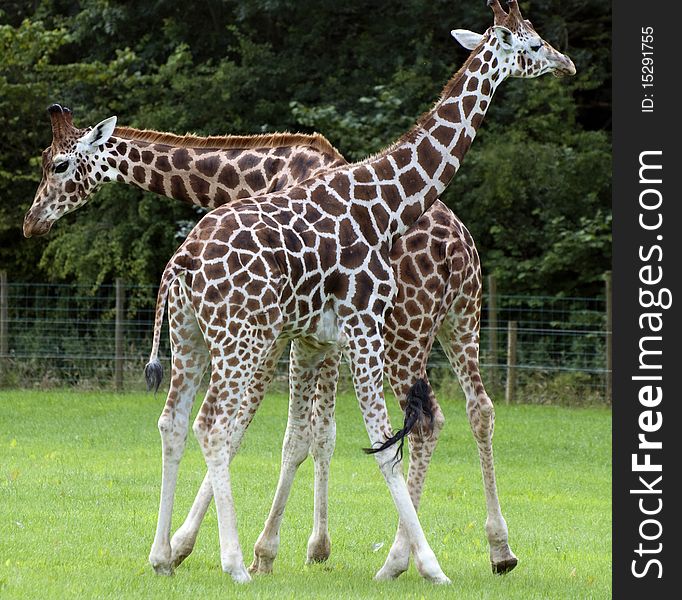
<point x="417" y="410"/>
<point x="153" y="370"/>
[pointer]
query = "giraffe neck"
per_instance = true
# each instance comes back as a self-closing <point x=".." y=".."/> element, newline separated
<point x="209" y="177"/>
<point x="415" y="170"/>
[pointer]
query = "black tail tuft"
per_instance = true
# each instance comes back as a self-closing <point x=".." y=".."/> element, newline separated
<point x="153" y="374"/>
<point x="417" y="409"/>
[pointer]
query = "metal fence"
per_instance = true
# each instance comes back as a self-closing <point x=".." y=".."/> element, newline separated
<point x="538" y="349"/>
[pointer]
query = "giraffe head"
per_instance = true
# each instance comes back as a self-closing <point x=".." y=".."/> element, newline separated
<point x="73" y="168"/>
<point x="516" y="45"/>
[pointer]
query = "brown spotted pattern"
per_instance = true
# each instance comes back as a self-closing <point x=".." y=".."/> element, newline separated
<point x="142" y="159"/>
<point x="206" y="172"/>
<point x="312" y="264"/>
<point x="321" y="251"/>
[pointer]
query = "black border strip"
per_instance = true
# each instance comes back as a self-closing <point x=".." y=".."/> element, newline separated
<point x="636" y="131"/>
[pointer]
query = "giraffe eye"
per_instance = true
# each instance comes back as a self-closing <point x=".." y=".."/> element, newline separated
<point x="535" y="47"/>
<point x="61" y="167"/>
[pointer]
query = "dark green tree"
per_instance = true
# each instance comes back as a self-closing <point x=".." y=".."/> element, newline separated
<point x="534" y="189"/>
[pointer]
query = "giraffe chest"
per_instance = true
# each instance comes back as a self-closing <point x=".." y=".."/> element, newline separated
<point x="321" y="330"/>
<point x="327" y="330"/>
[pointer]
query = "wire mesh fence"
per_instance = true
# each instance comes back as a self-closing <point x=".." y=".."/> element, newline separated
<point x="562" y="351"/>
<point x="100" y="337"/>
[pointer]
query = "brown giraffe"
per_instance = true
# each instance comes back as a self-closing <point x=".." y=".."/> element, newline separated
<point x="311" y="264"/>
<point x="435" y="264"/>
<point x="419" y="262"/>
<point x="204" y="171"/>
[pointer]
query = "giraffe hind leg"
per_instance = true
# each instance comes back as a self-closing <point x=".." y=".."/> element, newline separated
<point x="213" y="437"/>
<point x="217" y="430"/>
<point x="460" y="343"/>
<point x="189" y="360"/>
<point x="182" y="542"/>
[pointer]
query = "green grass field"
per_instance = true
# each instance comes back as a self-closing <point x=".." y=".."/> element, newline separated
<point x="80" y="476"/>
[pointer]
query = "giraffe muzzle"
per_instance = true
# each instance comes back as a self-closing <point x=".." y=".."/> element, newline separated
<point x="564" y="66"/>
<point x="34" y="227"/>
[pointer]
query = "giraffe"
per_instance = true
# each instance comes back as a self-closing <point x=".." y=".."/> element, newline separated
<point x="434" y="225"/>
<point x="204" y="171"/>
<point x="310" y="264"/>
<point x="435" y="264"/>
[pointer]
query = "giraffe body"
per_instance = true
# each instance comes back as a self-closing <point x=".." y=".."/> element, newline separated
<point x="367" y="206"/>
<point x="386" y="194"/>
<point x="421" y="254"/>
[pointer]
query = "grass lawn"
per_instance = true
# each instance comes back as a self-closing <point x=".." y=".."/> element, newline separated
<point x="80" y="475"/>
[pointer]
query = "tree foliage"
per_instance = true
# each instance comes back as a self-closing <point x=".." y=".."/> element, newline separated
<point x="534" y="189"/>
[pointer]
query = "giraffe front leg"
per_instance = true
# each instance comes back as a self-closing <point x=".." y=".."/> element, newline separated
<point x="188" y="365"/>
<point x="323" y="426"/>
<point x="185" y="537"/>
<point x="367" y="369"/>
<point x="304" y="366"/>
<point x="422" y="443"/>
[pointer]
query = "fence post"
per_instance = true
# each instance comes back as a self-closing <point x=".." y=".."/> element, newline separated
<point x="4" y="341"/>
<point x="492" y="326"/>
<point x="118" y="334"/>
<point x="511" y="363"/>
<point x="609" y="341"/>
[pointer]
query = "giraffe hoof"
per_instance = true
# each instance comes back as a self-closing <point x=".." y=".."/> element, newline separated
<point x="441" y="579"/>
<point x="240" y="575"/>
<point x="389" y="572"/>
<point x="318" y="550"/>
<point x="165" y="570"/>
<point x="260" y="567"/>
<point x="181" y="548"/>
<point x="385" y="576"/>
<point x="178" y="559"/>
<point x="317" y="559"/>
<point x="504" y="566"/>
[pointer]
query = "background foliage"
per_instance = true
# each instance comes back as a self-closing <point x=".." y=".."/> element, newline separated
<point x="534" y="189"/>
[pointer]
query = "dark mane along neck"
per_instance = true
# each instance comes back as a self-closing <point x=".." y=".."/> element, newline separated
<point x="211" y="171"/>
<point x="417" y="168"/>
<point x="316" y="141"/>
<point x="452" y="88"/>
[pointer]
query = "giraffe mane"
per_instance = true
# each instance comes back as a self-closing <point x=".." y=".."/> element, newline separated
<point x="230" y="142"/>
<point x="417" y="129"/>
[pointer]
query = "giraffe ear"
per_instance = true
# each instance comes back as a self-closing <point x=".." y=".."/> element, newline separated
<point x="504" y="36"/>
<point x="467" y="38"/>
<point x="99" y="134"/>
